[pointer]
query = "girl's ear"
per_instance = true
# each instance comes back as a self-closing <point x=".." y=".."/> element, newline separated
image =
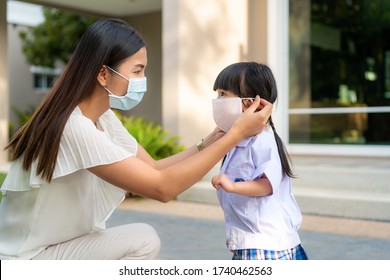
<point x="243" y="108"/>
<point x="102" y="76"/>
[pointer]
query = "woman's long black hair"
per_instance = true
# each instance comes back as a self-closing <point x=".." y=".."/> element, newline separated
<point x="106" y="42"/>
<point x="248" y="79"/>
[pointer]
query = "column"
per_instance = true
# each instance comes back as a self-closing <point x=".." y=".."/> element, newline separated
<point x="4" y="88"/>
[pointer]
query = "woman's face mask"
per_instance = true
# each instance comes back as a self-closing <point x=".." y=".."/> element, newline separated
<point x="135" y="92"/>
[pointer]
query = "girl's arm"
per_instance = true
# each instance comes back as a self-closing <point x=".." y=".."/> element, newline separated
<point x="258" y="187"/>
<point x="137" y="176"/>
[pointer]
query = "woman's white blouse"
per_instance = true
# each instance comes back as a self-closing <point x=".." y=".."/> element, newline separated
<point x="35" y="214"/>
<point x="264" y="222"/>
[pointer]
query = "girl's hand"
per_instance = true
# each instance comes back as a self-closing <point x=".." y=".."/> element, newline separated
<point x="222" y="181"/>
<point x="258" y="187"/>
<point x="251" y="122"/>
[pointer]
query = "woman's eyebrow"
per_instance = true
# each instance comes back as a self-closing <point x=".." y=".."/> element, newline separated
<point x="142" y="66"/>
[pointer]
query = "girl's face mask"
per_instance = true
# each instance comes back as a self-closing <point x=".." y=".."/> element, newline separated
<point x="226" y="111"/>
<point x="135" y="92"/>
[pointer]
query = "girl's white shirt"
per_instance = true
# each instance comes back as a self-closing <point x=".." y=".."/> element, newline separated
<point x="264" y="222"/>
<point x="35" y="214"/>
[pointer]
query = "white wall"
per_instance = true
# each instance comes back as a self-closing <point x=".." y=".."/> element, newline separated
<point x="149" y="25"/>
<point x="277" y="58"/>
<point x="21" y="80"/>
<point x="200" y="38"/>
<point x="3" y="83"/>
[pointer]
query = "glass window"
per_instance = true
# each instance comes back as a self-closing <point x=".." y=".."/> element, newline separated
<point x="42" y="82"/>
<point x="50" y="80"/>
<point x="37" y="81"/>
<point x="44" y="77"/>
<point x="339" y="72"/>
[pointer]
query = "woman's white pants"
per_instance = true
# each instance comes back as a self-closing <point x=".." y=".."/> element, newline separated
<point x="127" y="242"/>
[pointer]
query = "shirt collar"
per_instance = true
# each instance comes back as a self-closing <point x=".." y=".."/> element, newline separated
<point x="245" y="142"/>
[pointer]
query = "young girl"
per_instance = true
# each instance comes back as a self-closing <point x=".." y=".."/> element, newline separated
<point x="262" y="217"/>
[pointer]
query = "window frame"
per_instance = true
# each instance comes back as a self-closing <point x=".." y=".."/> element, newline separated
<point x="278" y="59"/>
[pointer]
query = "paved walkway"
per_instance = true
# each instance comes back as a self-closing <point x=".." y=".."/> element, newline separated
<point x="196" y="231"/>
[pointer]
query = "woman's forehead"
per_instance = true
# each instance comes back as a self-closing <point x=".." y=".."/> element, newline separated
<point x="139" y="59"/>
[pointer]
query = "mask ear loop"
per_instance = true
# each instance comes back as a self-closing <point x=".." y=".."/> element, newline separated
<point x="243" y="99"/>
<point x="109" y="91"/>
<point x="111" y="94"/>
<point x="116" y="72"/>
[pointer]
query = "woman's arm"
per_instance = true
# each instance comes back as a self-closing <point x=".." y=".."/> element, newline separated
<point x="137" y="176"/>
<point x="164" y="163"/>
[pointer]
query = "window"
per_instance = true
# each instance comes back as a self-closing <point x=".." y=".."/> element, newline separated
<point x="42" y="82"/>
<point x="44" y="77"/>
<point x="339" y="72"/>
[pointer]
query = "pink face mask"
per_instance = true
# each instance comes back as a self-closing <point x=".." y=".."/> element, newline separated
<point x="226" y="111"/>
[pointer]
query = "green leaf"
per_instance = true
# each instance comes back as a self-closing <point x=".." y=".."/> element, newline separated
<point x="152" y="137"/>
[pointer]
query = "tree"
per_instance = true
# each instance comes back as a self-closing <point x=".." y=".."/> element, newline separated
<point x="55" y="38"/>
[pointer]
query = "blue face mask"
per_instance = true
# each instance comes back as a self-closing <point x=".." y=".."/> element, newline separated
<point x="135" y="92"/>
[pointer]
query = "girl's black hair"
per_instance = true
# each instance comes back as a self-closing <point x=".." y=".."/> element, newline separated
<point x="248" y="79"/>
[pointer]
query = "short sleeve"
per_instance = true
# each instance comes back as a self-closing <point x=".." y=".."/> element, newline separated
<point x="83" y="145"/>
<point x="266" y="159"/>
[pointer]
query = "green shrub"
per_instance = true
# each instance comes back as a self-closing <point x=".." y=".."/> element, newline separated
<point x="22" y="118"/>
<point x="2" y="178"/>
<point x="152" y="137"/>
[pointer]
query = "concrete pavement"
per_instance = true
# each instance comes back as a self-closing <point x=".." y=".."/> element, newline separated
<point x="190" y="231"/>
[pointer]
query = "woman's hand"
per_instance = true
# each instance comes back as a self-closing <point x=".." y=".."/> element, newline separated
<point x="251" y="122"/>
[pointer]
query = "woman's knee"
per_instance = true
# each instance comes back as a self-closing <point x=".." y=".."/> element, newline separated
<point x="153" y="241"/>
<point x="148" y="242"/>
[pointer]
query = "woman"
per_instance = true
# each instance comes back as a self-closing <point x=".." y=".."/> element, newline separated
<point x="73" y="161"/>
